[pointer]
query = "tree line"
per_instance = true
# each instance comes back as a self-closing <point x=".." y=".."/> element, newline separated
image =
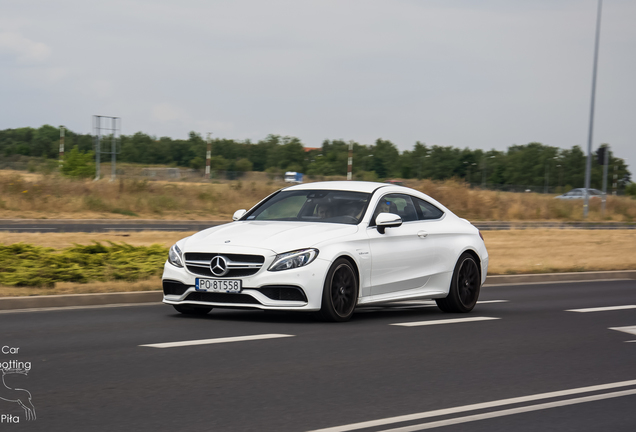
<point x="532" y="164"/>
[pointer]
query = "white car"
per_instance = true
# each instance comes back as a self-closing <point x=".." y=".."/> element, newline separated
<point x="330" y="247"/>
<point x="579" y="193"/>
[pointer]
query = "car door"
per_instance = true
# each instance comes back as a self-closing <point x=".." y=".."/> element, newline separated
<point x="403" y="258"/>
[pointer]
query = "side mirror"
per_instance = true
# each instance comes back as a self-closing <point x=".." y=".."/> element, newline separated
<point x="238" y="214"/>
<point x="387" y="220"/>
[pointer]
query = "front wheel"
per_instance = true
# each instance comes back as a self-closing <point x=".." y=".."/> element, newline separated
<point x="192" y="310"/>
<point x="465" y="286"/>
<point x="340" y="292"/>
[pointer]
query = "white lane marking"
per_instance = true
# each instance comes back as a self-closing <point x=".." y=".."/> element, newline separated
<point x="602" y="309"/>
<point x="47" y="309"/>
<point x="511" y="411"/>
<point x="446" y="321"/>
<point x="629" y="329"/>
<point x="415" y="304"/>
<point x="217" y="340"/>
<point x="473" y="407"/>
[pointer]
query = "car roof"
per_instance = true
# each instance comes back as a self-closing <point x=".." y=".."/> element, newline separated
<point x="354" y="186"/>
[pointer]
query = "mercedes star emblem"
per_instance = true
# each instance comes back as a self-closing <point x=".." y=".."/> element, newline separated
<point x="219" y="266"/>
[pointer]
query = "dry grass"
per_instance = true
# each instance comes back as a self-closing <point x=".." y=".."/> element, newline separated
<point x="511" y="252"/>
<point x="476" y="204"/>
<point x="54" y="197"/>
<point x="545" y="251"/>
<point x="34" y="196"/>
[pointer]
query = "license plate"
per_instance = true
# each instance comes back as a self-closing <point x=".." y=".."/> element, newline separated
<point x="218" y="285"/>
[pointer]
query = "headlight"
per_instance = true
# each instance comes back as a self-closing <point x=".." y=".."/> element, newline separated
<point x="174" y="256"/>
<point x="294" y="259"/>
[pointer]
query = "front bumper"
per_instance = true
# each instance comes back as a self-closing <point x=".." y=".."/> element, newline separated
<point x="259" y="290"/>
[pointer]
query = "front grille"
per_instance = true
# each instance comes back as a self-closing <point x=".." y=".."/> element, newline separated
<point x="284" y="292"/>
<point x="240" y="265"/>
<point x="222" y="298"/>
<point x="171" y="287"/>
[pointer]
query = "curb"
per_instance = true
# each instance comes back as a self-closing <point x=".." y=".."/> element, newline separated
<point x="140" y="297"/>
<point x="66" y="300"/>
<point x="560" y="277"/>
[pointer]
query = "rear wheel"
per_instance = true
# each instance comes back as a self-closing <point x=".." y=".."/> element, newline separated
<point x="192" y="310"/>
<point x="340" y="292"/>
<point x="465" y="286"/>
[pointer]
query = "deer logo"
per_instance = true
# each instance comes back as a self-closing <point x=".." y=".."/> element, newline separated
<point x="20" y="396"/>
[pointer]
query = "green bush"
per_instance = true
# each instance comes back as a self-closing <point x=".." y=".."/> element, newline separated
<point x="78" y="165"/>
<point x="28" y="265"/>
<point x="630" y="189"/>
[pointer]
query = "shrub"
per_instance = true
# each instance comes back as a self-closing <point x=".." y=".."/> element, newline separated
<point x="28" y="265"/>
<point x="78" y="165"/>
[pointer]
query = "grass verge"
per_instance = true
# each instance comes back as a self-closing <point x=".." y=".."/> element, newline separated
<point x="511" y="252"/>
<point x="54" y="197"/>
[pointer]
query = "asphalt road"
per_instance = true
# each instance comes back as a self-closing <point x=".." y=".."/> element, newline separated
<point x="91" y="371"/>
<point x="105" y="225"/>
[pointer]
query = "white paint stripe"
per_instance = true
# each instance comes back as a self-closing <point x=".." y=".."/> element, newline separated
<point x="473" y="407"/>
<point x="446" y="321"/>
<point x="216" y="341"/>
<point x="630" y="329"/>
<point x="602" y="309"/>
<point x="492" y="301"/>
<point x="511" y="411"/>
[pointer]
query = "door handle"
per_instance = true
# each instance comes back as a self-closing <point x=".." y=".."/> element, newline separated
<point x="422" y="234"/>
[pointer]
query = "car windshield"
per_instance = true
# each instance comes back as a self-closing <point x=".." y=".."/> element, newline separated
<point x="331" y="206"/>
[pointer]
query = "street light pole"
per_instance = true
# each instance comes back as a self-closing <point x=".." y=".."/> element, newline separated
<point x="350" y="162"/>
<point x="588" y="166"/>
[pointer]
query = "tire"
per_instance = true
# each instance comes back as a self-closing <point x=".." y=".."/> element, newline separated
<point x="340" y="292"/>
<point x="465" y="285"/>
<point x="192" y="310"/>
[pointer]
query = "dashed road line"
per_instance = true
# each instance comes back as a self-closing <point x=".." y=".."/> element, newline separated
<point x="486" y="405"/>
<point x="511" y="411"/>
<point x="629" y="329"/>
<point x="445" y="321"/>
<point x="602" y="309"/>
<point x="216" y="340"/>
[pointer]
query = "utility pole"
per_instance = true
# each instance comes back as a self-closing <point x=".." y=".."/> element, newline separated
<point x="98" y="150"/>
<point x="208" y="155"/>
<point x="615" y="182"/>
<point x="113" y="149"/>
<point x="605" y="163"/>
<point x="588" y="167"/>
<point x="61" y="146"/>
<point x="350" y="162"/>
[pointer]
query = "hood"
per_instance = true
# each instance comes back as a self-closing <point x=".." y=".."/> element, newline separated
<point x="277" y="237"/>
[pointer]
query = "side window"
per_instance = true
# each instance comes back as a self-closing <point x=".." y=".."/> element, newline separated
<point x="427" y="211"/>
<point x="398" y="204"/>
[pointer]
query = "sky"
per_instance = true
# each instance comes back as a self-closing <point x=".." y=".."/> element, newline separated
<point x="477" y="74"/>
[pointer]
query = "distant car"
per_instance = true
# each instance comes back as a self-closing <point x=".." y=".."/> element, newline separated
<point x="579" y="193"/>
<point x="329" y="247"/>
<point x="395" y="182"/>
<point x="293" y="177"/>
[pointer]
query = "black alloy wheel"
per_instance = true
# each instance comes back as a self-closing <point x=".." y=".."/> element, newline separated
<point x="465" y="286"/>
<point x="192" y="310"/>
<point x="340" y="292"/>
